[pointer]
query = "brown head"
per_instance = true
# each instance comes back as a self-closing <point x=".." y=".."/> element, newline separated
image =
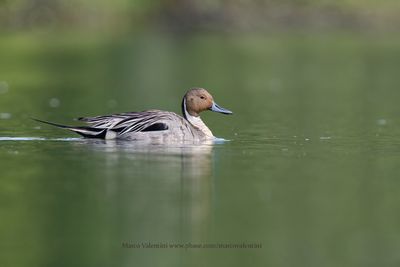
<point x="197" y="100"/>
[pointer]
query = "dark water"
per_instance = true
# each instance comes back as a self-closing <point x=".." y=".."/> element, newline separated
<point x="310" y="174"/>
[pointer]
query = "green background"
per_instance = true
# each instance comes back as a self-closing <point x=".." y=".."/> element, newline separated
<point x="311" y="169"/>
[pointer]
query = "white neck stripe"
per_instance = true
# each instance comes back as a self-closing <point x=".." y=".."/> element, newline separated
<point x="196" y="121"/>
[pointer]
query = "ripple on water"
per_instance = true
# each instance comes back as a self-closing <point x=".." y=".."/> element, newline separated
<point x="7" y="138"/>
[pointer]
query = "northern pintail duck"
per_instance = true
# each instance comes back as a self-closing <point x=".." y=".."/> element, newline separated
<point x="154" y="125"/>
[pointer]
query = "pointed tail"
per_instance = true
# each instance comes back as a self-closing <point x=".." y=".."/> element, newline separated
<point x="85" y="131"/>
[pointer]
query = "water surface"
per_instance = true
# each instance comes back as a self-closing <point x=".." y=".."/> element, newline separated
<point x="310" y="171"/>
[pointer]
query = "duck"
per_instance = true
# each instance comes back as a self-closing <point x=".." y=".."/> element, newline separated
<point x="153" y="125"/>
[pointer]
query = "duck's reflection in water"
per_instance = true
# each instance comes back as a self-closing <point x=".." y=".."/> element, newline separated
<point x="168" y="184"/>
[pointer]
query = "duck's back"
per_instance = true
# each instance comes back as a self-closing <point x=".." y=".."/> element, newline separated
<point x="150" y="125"/>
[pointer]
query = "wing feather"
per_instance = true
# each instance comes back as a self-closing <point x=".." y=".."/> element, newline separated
<point x="130" y="121"/>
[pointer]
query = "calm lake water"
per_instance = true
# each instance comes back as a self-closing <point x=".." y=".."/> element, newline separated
<point x="310" y="172"/>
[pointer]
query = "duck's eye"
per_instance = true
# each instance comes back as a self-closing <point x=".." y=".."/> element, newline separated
<point x="202" y="97"/>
